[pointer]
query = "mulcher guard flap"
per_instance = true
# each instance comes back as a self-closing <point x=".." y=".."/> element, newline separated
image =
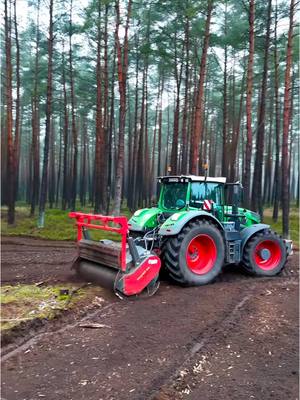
<point x="124" y="267"/>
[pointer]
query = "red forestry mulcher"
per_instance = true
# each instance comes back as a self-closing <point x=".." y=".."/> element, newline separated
<point x="124" y="267"/>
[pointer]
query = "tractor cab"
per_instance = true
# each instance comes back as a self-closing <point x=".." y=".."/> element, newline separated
<point x="190" y="192"/>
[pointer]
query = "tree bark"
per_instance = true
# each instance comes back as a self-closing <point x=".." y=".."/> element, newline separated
<point x="44" y="184"/>
<point x="9" y="121"/>
<point x="286" y="124"/>
<point x="35" y="145"/>
<point x="122" y="76"/>
<point x="225" y="108"/>
<point x="99" y="183"/>
<point x="248" y="155"/>
<point x="194" y="162"/>
<point x="65" y="194"/>
<point x="257" y="198"/>
<point x="17" y="106"/>
<point x="277" y="171"/>
<point x="73" y="116"/>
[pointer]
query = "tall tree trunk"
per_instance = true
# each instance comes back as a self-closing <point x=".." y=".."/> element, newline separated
<point x="84" y="167"/>
<point x="184" y="152"/>
<point x="35" y="145"/>
<point x="122" y="76"/>
<point x="194" y="162"/>
<point x="248" y="155"/>
<point x="141" y="142"/>
<point x="225" y="108"/>
<point x="236" y="135"/>
<point x="178" y="78"/>
<point x="268" y="157"/>
<point x="51" y="195"/>
<point x="159" y="169"/>
<point x="286" y="124"/>
<point x="100" y="193"/>
<point x="111" y="130"/>
<point x="17" y="106"/>
<point x="9" y="121"/>
<point x="44" y="184"/>
<point x="74" y="128"/>
<point x="58" y="185"/>
<point x="65" y="194"/>
<point x="134" y="196"/>
<point x="277" y="170"/>
<point x="257" y="198"/>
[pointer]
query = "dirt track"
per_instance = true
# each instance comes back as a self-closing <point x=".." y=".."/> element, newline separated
<point x="234" y="339"/>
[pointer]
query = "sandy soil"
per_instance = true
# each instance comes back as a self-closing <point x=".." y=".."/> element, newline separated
<point x="234" y="339"/>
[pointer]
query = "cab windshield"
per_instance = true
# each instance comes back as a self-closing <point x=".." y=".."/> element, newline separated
<point x="174" y="195"/>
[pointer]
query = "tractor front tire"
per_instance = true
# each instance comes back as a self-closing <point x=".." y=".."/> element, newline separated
<point x="196" y="255"/>
<point x="264" y="254"/>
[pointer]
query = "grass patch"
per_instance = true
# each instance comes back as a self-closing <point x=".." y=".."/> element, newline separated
<point x="277" y="226"/>
<point x="58" y="225"/>
<point x="26" y="302"/>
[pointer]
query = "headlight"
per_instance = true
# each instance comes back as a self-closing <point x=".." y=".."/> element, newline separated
<point x="175" y="217"/>
<point x="137" y="213"/>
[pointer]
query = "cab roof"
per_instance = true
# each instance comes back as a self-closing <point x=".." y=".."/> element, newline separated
<point x="193" y="178"/>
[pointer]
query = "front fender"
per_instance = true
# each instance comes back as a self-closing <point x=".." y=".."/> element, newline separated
<point x="174" y="224"/>
<point x="143" y="219"/>
<point x="247" y="233"/>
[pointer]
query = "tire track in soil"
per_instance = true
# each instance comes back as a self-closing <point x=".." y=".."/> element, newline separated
<point x="190" y="346"/>
<point x="7" y="353"/>
<point x="141" y="332"/>
<point x="222" y="327"/>
<point x="141" y="343"/>
<point x="256" y="357"/>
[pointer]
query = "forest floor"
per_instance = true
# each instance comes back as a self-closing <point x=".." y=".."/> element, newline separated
<point x="234" y="339"/>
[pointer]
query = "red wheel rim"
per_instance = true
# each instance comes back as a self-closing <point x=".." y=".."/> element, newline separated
<point x="267" y="254"/>
<point x="201" y="254"/>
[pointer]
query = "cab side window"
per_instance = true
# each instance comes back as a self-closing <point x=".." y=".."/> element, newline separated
<point x="201" y="191"/>
<point x="197" y="194"/>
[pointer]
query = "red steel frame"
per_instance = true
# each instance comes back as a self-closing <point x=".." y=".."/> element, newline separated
<point x="85" y="220"/>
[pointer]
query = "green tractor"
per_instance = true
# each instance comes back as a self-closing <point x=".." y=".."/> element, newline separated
<point x="196" y="228"/>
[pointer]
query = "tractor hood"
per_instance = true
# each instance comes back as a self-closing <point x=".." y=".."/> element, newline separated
<point x="144" y="219"/>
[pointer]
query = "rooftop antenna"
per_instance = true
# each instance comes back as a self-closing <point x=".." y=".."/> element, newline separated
<point x="205" y="167"/>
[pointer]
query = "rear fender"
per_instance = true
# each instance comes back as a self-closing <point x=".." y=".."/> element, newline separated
<point x="174" y="224"/>
<point x="247" y="233"/>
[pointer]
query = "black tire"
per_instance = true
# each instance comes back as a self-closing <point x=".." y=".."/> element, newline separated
<point x="255" y="264"/>
<point x="176" y="248"/>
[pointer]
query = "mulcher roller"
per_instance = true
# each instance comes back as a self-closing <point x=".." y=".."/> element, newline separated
<point x="124" y="267"/>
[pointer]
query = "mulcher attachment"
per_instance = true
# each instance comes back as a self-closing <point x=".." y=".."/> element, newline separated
<point x="124" y="267"/>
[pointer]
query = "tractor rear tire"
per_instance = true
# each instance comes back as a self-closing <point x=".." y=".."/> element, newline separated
<point x="265" y="254"/>
<point x="196" y="255"/>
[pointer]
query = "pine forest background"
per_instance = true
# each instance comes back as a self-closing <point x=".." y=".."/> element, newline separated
<point x="99" y="97"/>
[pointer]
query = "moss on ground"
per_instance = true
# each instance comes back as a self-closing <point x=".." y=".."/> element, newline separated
<point x="21" y="303"/>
